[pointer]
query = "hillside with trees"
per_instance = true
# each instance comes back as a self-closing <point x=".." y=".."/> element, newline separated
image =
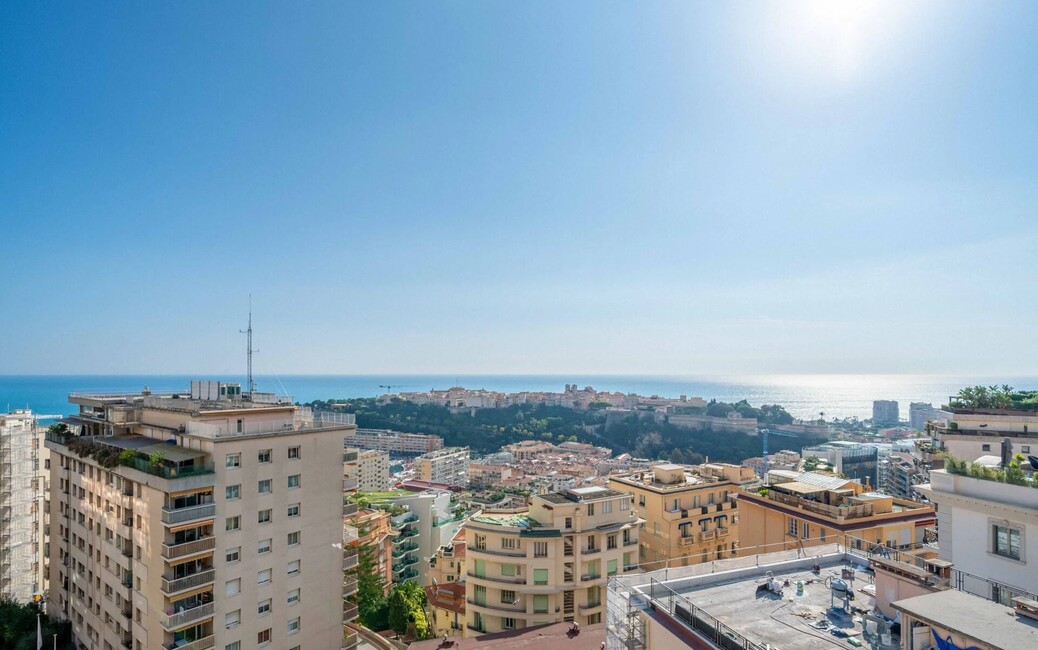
<point x="487" y="430"/>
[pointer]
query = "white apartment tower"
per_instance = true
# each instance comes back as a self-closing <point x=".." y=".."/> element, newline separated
<point x="23" y="479"/>
<point x="198" y="520"/>
<point x="448" y="466"/>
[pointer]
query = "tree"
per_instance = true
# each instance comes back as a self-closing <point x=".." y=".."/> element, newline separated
<point x="406" y="608"/>
<point x="371" y="592"/>
<point x="18" y="626"/>
<point x="811" y="463"/>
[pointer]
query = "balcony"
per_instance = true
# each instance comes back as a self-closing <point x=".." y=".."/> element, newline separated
<point x="349" y="586"/>
<point x="501" y="607"/>
<point x="186" y="617"/>
<point x="349" y="484"/>
<point x="402" y="549"/>
<point x="500" y="552"/>
<point x="588" y="577"/>
<point x="172" y="551"/>
<point x="687" y="540"/>
<point x="589" y="551"/>
<point x="205" y="643"/>
<point x="187" y="582"/>
<point x="722" y="532"/>
<point x="587" y="607"/>
<point x="350" y="639"/>
<point x="349" y="509"/>
<point x="403" y="564"/>
<point x="350" y="611"/>
<point x="180" y="515"/>
<point x="630" y="542"/>
<point x="404" y="518"/>
<point x="705" y="535"/>
<point x="410" y="574"/>
<point x="350" y="562"/>
<point x="509" y="580"/>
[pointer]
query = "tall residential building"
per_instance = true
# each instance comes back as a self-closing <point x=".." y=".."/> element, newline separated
<point x="197" y="520"/>
<point x="814" y="509"/>
<point x="23" y="480"/>
<point x="919" y="413"/>
<point x="550" y="563"/>
<point x="885" y="411"/>
<point x="446" y="466"/>
<point x="690" y="513"/>
<point x="373" y="470"/>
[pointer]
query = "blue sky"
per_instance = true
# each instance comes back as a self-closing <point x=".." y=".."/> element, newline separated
<point x="687" y="188"/>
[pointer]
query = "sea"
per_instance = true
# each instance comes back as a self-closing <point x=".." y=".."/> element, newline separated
<point x="804" y="396"/>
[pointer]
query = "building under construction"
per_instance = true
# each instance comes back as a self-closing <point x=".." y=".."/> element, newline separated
<point x="23" y="483"/>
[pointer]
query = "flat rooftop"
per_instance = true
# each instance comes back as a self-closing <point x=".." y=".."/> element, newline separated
<point x="979" y="619"/>
<point x="556" y="636"/>
<point x="791" y="621"/>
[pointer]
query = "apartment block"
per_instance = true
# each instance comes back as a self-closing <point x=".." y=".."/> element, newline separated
<point x="446" y="467"/>
<point x="23" y="506"/>
<point x="368" y="469"/>
<point x="550" y="563"/>
<point x="197" y="520"/>
<point x="394" y="442"/>
<point x="970" y="433"/>
<point x="814" y="509"/>
<point x="856" y="461"/>
<point x="691" y="514"/>
<point x="885" y="411"/>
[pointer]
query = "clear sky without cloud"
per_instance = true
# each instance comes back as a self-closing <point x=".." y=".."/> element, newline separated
<point x="519" y="187"/>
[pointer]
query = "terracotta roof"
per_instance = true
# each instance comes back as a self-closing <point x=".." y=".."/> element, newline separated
<point x="449" y="595"/>
<point x="544" y="637"/>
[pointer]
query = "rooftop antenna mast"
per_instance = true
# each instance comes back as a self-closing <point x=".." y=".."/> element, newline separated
<point x="251" y="384"/>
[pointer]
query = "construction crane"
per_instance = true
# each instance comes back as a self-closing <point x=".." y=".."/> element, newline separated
<point x="764" y="433"/>
<point x="389" y="387"/>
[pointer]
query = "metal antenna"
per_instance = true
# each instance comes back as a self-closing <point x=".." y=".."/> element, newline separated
<point x="249" y="382"/>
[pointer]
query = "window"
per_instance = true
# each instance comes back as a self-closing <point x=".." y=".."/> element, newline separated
<point x="508" y="597"/>
<point x="985" y="447"/>
<point x="509" y="623"/>
<point x="263" y="577"/>
<point x="625" y="504"/>
<point x="540" y="549"/>
<point x="509" y="543"/>
<point x="233" y="555"/>
<point x="611" y="541"/>
<point x="232" y="492"/>
<point x="264" y="456"/>
<point x="240" y="426"/>
<point x="232" y="460"/>
<point x="540" y="604"/>
<point x="263" y="546"/>
<point x="232" y="646"/>
<point x="569" y="522"/>
<point x="293" y="481"/>
<point x="293" y="597"/>
<point x="508" y="569"/>
<point x="590" y="509"/>
<point x="1006" y="541"/>
<point x="263" y="637"/>
<point x="591" y="542"/>
<point x="293" y="538"/>
<point x="233" y="523"/>
<point x="293" y="625"/>
<point x="792" y="527"/>
<point x="264" y="486"/>
<point x="264" y="516"/>
<point x="263" y="608"/>
<point x="231" y="619"/>
<point x="805" y="534"/>
<point x="232" y="587"/>
<point x="611" y="568"/>
<point x="607" y="507"/>
<point x="540" y="577"/>
<point x="293" y="510"/>
<point x="1025" y="449"/>
<point x="293" y="567"/>
<point x="641" y="499"/>
<point x="293" y="452"/>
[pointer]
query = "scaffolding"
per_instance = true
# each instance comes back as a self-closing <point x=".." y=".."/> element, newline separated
<point x="625" y="628"/>
<point x="21" y="506"/>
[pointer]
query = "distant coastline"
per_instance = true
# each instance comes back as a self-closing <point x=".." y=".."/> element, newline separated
<point x="805" y="396"/>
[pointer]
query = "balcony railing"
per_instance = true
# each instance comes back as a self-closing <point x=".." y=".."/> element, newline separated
<point x="349" y="509"/>
<point x="589" y="606"/>
<point x="498" y="551"/>
<point x="511" y="580"/>
<point x="171" y="551"/>
<point x="503" y="607"/>
<point x="350" y="484"/>
<point x="180" y="619"/>
<point x="180" y="515"/>
<point x="201" y="644"/>
<point x="350" y="611"/>
<point x="350" y="562"/>
<point x="187" y="582"/>
<point x="349" y="586"/>
<point x="705" y="535"/>
<point x="687" y="540"/>
<point x="836" y="512"/>
<point x="350" y="640"/>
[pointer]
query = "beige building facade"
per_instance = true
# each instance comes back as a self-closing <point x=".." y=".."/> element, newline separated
<point x="550" y="563"/>
<point x="446" y="467"/>
<point x="691" y="513"/>
<point x="197" y="523"/>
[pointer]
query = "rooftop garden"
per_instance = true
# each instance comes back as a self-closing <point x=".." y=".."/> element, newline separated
<point x="995" y="397"/>
<point x="109" y="456"/>
<point x="1013" y="474"/>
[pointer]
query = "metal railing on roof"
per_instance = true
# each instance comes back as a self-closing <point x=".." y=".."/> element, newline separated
<point x="680" y="608"/>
